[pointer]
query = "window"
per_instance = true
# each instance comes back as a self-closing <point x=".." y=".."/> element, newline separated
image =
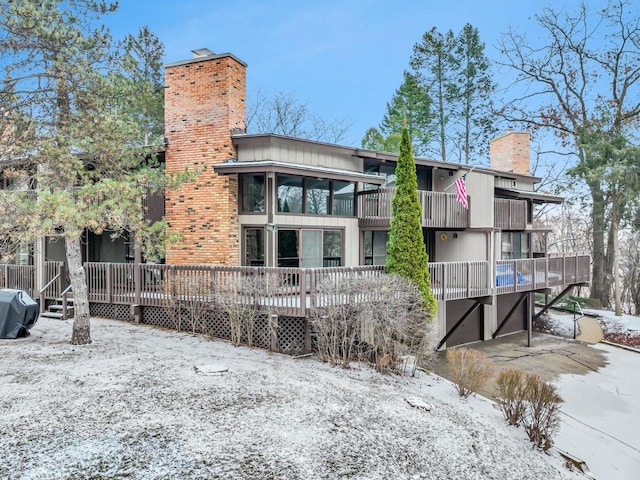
<point x="343" y="198"/>
<point x="375" y="247"/>
<point x="288" y="255"/>
<point x="318" y="248"/>
<point x="318" y="196"/>
<point x="315" y="196"/>
<point x="253" y="193"/>
<point x="387" y="171"/>
<point x="515" y="245"/>
<point x="254" y="247"/>
<point x="290" y="194"/>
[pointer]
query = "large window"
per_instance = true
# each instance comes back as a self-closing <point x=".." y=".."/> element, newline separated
<point x="309" y="248"/>
<point x="315" y="196"/>
<point x="375" y="247"/>
<point x="253" y="192"/>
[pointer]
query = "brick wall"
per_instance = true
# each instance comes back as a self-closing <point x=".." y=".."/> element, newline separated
<point x="204" y="100"/>
<point x="510" y="153"/>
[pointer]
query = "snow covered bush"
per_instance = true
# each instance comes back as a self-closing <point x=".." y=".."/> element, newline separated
<point x="541" y="418"/>
<point x="511" y="395"/>
<point x="380" y="319"/>
<point x="469" y="369"/>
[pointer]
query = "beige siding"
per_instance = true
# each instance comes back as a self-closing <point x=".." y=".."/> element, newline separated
<point x="300" y="155"/>
<point x="442" y="180"/>
<point x="512" y="183"/>
<point x="468" y="246"/>
<point x="480" y="190"/>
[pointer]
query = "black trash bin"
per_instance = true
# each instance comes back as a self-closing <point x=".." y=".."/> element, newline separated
<point x="18" y="313"/>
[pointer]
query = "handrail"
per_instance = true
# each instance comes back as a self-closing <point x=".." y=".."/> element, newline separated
<point x="49" y="284"/>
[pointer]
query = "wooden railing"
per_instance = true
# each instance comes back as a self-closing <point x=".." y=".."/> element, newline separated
<point x="18" y="277"/>
<point x="439" y="209"/>
<point x="510" y="214"/>
<point x="294" y="291"/>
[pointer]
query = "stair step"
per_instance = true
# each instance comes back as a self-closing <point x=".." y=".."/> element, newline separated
<point x="50" y="314"/>
<point x="56" y="307"/>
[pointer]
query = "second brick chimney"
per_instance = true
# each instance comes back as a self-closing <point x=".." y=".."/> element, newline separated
<point x="510" y="153"/>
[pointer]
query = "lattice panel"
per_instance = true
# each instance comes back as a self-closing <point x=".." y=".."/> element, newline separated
<point x="110" y="310"/>
<point x="291" y="332"/>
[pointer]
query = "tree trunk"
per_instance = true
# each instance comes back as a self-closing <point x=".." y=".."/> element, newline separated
<point x="599" y="282"/>
<point x="81" y="334"/>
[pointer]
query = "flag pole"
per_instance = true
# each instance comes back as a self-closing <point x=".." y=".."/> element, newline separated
<point x="463" y="176"/>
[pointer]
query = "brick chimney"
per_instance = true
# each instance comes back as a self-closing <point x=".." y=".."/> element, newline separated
<point x="510" y="152"/>
<point x="204" y="102"/>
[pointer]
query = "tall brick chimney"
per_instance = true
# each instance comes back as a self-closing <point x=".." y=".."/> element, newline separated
<point x="510" y="152"/>
<point x="204" y="101"/>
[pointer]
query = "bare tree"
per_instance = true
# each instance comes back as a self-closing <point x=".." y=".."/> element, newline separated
<point x="583" y="84"/>
<point x="283" y="114"/>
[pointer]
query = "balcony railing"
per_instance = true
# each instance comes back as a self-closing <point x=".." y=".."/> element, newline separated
<point x="439" y="209"/>
<point x="294" y="291"/>
<point x="510" y="214"/>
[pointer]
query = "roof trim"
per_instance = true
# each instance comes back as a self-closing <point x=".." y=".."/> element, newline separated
<point x="268" y="166"/>
<point x="252" y="138"/>
<point x="533" y="196"/>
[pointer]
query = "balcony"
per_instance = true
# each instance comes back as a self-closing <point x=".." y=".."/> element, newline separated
<point x="439" y="209"/>
<point x="510" y="214"/>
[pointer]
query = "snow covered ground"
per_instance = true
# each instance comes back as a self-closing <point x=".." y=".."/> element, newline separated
<point x="600" y="421"/>
<point x="149" y="404"/>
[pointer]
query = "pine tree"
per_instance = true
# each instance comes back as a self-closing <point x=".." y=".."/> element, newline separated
<point x="406" y="252"/>
<point x="66" y="82"/>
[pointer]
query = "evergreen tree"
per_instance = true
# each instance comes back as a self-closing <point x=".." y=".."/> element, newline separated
<point x="471" y="95"/>
<point x="66" y="82"/>
<point x="143" y="66"/>
<point x="406" y="252"/>
<point x="410" y="106"/>
<point x="433" y="58"/>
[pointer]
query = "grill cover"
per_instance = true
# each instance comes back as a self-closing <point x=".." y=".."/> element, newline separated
<point x="18" y="313"/>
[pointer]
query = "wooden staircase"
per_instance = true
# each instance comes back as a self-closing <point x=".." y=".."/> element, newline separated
<point x="61" y="309"/>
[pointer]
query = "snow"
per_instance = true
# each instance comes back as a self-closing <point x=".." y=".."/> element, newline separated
<point x="600" y="422"/>
<point x="145" y="403"/>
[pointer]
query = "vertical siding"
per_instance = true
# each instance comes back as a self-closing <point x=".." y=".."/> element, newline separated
<point x="480" y="189"/>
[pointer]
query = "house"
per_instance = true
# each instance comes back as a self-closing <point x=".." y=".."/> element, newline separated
<point x="273" y="201"/>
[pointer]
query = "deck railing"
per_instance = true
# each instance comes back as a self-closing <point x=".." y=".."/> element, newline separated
<point x="292" y="291"/>
<point x="510" y="214"/>
<point x="439" y="209"/>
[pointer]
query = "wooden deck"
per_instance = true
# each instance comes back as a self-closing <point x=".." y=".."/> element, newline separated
<point x="290" y="291"/>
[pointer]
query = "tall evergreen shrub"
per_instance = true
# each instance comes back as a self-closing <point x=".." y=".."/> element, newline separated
<point x="406" y="252"/>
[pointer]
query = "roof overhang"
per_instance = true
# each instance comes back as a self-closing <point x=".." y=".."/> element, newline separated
<point x="535" y="197"/>
<point x="272" y="166"/>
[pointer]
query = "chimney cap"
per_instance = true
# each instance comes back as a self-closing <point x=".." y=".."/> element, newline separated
<point x="202" y="52"/>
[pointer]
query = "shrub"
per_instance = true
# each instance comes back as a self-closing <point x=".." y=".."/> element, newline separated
<point x="379" y="319"/>
<point x="511" y="392"/>
<point x="542" y="415"/>
<point x="470" y="370"/>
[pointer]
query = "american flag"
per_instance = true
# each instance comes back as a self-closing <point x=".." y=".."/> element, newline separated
<point x="461" y="189"/>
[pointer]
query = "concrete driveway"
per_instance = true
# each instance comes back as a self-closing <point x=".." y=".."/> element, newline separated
<point x="600" y="416"/>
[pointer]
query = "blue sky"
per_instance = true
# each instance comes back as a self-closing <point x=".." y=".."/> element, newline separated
<point x="345" y="58"/>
